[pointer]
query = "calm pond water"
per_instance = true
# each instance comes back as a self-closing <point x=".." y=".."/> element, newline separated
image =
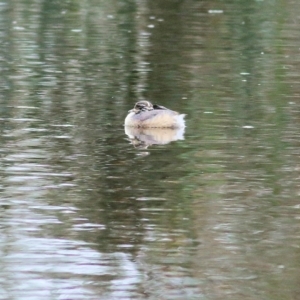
<point x="89" y="211"/>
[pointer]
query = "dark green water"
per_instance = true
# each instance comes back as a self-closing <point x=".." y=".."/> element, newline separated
<point x="87" y="213"/>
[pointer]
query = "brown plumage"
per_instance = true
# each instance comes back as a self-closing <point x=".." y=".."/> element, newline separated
<point x="146" y="115"/>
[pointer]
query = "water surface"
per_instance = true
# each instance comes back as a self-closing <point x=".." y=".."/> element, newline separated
<point x="88" y="213"/>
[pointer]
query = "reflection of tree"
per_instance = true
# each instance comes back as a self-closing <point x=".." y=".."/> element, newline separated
<point x="202" y="208"/>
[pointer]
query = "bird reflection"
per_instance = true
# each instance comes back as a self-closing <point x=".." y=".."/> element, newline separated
<point x="142" y="138"/>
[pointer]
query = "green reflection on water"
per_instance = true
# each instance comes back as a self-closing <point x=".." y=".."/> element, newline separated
<point x="212" y="216"/>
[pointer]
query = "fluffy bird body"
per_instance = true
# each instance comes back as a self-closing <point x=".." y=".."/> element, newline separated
<point x="146" y="115"/>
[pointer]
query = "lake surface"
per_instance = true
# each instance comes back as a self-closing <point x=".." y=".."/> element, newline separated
<point x="89" y="211"/>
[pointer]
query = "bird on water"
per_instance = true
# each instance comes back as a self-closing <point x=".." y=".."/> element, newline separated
<point x="148" y="115"/>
